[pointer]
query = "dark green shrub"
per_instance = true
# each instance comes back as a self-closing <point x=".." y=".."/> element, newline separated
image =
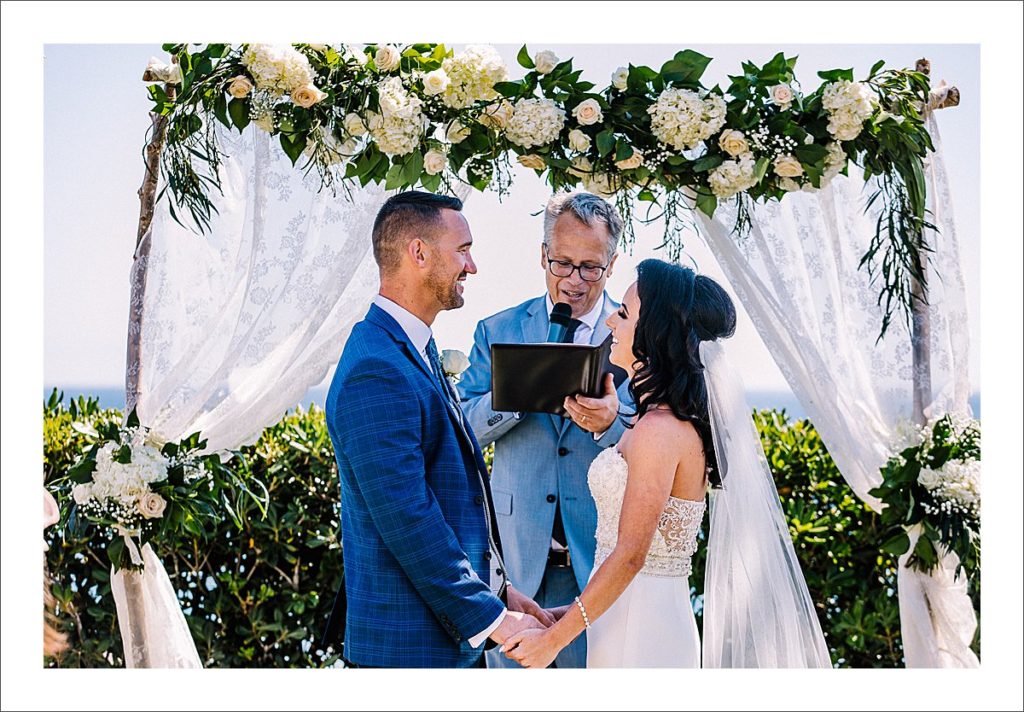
<point x="259" y="596"/>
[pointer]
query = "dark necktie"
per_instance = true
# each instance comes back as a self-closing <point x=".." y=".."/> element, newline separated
<point x="570" y="331"/>
<point x="558" y="528"/>
<point x="438" y="370"/>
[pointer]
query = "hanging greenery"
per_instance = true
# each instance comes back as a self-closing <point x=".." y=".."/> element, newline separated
<point x="423" y="115"/>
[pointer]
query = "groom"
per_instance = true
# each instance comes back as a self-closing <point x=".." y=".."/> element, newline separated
<point x="417" y="520"/>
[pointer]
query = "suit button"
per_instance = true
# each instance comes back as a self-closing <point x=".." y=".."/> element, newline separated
<point x="499" y="572"/>
<point x="487" y="556"/>
<point x="551" y="498"/>
<point x="479" y="499"/>
<point x="562" y="452"/>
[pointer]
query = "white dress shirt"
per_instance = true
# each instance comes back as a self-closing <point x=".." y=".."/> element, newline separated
<point x="585" y="331"/>
<point x="420" y="334"/>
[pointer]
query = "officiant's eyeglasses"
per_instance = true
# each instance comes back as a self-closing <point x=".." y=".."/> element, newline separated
<point x="588" y="273"/>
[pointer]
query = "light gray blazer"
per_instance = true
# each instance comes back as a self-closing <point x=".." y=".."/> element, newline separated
<point x="537" y="457"/>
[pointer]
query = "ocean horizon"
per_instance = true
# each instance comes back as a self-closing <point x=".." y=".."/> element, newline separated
<point x="113" y="397"/>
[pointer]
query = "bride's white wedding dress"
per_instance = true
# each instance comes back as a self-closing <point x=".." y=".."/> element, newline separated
<point x="652" y="623"/>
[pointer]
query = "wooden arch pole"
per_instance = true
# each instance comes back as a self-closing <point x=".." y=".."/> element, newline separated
<point x="921" y="327"/>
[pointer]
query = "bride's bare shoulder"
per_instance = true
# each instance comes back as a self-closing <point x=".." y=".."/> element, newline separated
<point x="660" y="431"/>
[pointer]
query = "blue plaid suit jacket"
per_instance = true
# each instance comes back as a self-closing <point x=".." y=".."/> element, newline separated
<point x="413" y="507"/>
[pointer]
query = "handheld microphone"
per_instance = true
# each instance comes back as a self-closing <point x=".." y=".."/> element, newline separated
<point x="561" y="317"/>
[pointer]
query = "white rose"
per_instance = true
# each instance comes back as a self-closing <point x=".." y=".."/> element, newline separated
<point x="454" y="362"/>
<point x="634" y="161"/>
<point x="157" y="71"/>
<point x="434" y="162"/>
<point x="782" y="95"/>
<point x="82" y="493"/>
<point x="588" y="112"/>
<point x="497" y="116"/>
<point x="579" y="141"/>
<point x="354" y="125"/>
<point x="546" y="61"/>
<point x="619" y="78"/>
<point x="788" y="166"/>
<point x="151" y="505"/>
<point x="306" y="96"/>
<point x="387" y="58"/>
<point x="788" y="184"/>
<point x="532" y="160"/>
<point x="435" y="82"/>
<point x="733" y="142"/>
<point x="929" y="479"/>
<point x="457" y="133"/>
<point x="240" y="87"/>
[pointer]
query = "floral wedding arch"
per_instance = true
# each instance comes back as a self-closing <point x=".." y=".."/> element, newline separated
<point x="738" y="164"/>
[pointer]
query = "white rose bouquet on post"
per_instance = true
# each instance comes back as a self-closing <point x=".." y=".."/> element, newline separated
<point x="143" y="491"/>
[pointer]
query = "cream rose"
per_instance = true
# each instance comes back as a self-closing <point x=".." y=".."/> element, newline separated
<point x="788" y="166"/>
<point x="588" y="112"/>
<point x="457" y="133"/>
<point x="354" y="125"/>
<point x="634" y="161"/>
<point x="497" y="116"/>
<point x="579" y="141"/>
<point x="151" y="505"/>
<point x="782" y="95"/>
<point x="435" y="82"/>
<point x="620" y="78"/>
<point x="307" y="95"/>
<point x="929" y="479"/>
<point x="546" y="61"/>
<point x="532" y="160"/>
<point x="387" y="58"/>
<point x="454" y="362"/>
<point x="240" y="87"/>
<point x="434" y="162"/>
<point x="733" y="142"/>
<point x="157" y="71"/>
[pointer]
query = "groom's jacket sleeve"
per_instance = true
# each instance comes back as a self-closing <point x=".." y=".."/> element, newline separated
<point x="381" y="428"/>
<point x="475" y="390"/>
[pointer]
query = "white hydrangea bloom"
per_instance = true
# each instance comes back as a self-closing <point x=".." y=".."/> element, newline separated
<point x="734" y="176"/>
<point x="681" y="119"/>
<point x="397" y="130"/>
<point x="472" y="75"/>
<point x="849" y="105"/>
<point x="535" y="122"/>
<point x="278" y="69"/>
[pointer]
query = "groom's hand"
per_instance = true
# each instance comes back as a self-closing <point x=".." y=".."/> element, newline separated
<point x="514" y="622"/>
<point x="518" y="601"/>
<point x="595" y="415"/>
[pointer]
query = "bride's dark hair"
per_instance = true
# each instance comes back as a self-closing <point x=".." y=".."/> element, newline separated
<point x="678" y="310"/>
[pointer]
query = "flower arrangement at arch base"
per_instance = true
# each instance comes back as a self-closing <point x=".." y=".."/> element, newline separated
<point x="145" y="492"/>
<point x="932" y="483"/>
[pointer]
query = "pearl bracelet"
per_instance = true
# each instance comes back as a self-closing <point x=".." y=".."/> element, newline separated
<point x="586" y="618"/>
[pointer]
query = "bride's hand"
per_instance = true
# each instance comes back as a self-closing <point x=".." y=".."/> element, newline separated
<point x="533" y="648"/>
<point x="557" y="613"/>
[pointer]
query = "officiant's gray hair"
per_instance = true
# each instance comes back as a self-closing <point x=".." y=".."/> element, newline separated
<point x="589" y="209"/>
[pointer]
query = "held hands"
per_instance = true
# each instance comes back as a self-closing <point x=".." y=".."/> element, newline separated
<point x="513" y="623"/>
<point x="595" y="415"/>
<point x="531" y="648"/>
<point x="518" y="601"/>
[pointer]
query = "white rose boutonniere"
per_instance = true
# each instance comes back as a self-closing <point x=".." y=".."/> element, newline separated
<point x="454" y="363"/>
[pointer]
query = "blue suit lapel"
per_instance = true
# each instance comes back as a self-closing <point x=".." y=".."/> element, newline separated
<point x="385" y="321"/>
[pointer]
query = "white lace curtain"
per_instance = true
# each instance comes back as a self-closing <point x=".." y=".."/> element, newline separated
<point x="239" y="323"/>
<point x="797" y="276"/>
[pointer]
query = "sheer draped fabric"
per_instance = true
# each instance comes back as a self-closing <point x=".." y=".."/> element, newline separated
<point x="797" y="276"/>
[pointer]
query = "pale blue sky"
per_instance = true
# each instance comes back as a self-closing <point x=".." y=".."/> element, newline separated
<point x="93" y="138"/>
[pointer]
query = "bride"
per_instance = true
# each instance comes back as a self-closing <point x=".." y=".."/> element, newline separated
<point x="692" y="430"/>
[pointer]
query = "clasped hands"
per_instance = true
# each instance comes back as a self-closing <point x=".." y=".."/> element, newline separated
<point x="522" y="632"/>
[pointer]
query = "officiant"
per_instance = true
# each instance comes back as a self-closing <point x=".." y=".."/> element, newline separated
<point x="546" y="515"/>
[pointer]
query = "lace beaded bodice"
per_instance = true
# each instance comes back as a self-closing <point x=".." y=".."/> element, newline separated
<point x="675" y="540"/>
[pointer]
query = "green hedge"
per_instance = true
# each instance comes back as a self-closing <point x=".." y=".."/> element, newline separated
<point x="259" y="596"/>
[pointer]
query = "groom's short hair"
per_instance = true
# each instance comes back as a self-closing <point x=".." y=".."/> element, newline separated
<point x="406" y="216"/>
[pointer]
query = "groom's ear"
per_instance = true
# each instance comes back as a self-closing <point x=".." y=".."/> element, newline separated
<point x="417" y="251"/>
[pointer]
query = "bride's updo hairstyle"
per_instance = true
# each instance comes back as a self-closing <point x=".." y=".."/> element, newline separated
<point x="678" y="310"/>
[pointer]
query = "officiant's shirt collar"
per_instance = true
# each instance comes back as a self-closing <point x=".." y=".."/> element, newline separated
<point x="418" y="332"/>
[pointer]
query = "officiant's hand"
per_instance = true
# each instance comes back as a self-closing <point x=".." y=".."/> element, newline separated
<point x="518" y="601"/>
<point x="514" y="622"/>
<point x="595" y="415"/>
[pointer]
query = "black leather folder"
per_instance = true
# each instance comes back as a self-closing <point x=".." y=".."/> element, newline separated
<point x="536" y="378"/>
